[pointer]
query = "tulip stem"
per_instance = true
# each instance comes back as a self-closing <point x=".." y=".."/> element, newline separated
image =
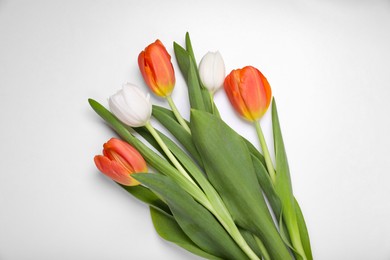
<point x="211" y="93"/>
<point x="166" y="150"/>
<point x="264" y="147"/>
<point x="177" y="114"/>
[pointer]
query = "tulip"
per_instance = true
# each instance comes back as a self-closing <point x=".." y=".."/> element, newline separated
<point x="131" y="106"/>
<point x="212" y="71"/>
<point x="156" y="68"/>
<point x="249" y="92"/>
<point x="119" y="161"/>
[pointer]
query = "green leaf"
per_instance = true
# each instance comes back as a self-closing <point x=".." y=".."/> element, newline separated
<point x="229" y="167"/>
<point x="303" y="231"/>
<point x="208" y="103"/>
<point x="272" y="198"/>
<point x="283" y="186"/>
<point x="182" y="58"/>
<point x="168" y="229"/>
<point x="274" y="201"/>
<point x="196" y="222"/>
<point x="189" y="48"/>
<point x="168" y="120"/>
<point x="286" y="237"/>
<point x="194" y="88"/>
<point x="190" y="74"/>
<point x="147" y="196"/>
<point x="267" y="186"/>
<point x="254" y="151"/>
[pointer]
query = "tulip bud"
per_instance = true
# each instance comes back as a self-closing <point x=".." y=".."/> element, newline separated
<point x="131" y="106"/>
<point x="212" y="71"/>
<point x="249" y="92"/>
<point x="156" y="68"/>
<point x="119" y="161"/>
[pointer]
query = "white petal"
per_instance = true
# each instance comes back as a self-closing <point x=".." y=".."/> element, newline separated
<point x="212" y="71"/>
<point x="219" y="71"/>
<point x="131" y="106"/>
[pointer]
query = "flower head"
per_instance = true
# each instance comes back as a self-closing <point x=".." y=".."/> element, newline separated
<point x="249" y="92"/>
<point x="155" y="65"/>
<point x="119" y="161"/>
<point x="131" y="106"/>
<point x="212" y="71"/>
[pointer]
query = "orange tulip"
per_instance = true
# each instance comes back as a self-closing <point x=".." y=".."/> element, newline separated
<point x="119" y="161"/>
<point x="249" y="92"/>
<point x="156" y="68"/>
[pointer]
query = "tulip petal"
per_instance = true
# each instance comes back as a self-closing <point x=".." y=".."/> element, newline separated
<point x="156" y="68"/>
<point x="114" y="170"/>
<point x="249" y="92"/>
<point x="131" y="106"/>
<point x="146" y="72"/>
<point x="126" y="154"/>
<point x="250" y="89"/>
<point x="219" y="70"/>
<point x="212" y="71"/>
<point x="233" y="92"/>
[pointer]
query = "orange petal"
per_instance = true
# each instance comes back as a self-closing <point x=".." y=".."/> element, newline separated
<point x="157" y="69"/>
<point x="125" y="154"/>
<point x="114" y="170"/>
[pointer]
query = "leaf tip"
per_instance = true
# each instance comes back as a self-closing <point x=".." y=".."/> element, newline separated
<point x="92" y="102"/>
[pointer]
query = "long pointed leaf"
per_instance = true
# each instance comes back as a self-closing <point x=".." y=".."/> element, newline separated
<point x="267" y="186"/>
<point x="194" y="88"/>
<point x="229" y="166"/>
<point x="303" y="231"/>
<point x="182" y="58"/>
<point x="283" y="186"/>
<point x="205" y="93"/>
<point x="189" y="72"/>
<point x="189" y="48"/>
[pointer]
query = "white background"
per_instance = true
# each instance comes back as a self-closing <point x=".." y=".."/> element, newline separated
<point x="328" y="63"/>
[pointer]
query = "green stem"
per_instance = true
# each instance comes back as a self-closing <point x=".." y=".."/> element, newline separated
<point x="264" y="147"/>
<point x="166" y="150"/>
<point x="211" y="93"/>
<point x="177" y="114"/>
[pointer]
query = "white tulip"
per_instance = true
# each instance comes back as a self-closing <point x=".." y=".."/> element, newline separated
<point x="131" y="105"/>
<point x="212" y="71"/>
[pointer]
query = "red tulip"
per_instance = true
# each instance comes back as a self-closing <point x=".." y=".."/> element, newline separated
<point x="156" y="68"/>
<point x="119" y="161"/>
<point x="249" y="92"/>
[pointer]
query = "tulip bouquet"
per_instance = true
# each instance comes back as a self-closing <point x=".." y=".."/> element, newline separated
<point x="210" y="190"/>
